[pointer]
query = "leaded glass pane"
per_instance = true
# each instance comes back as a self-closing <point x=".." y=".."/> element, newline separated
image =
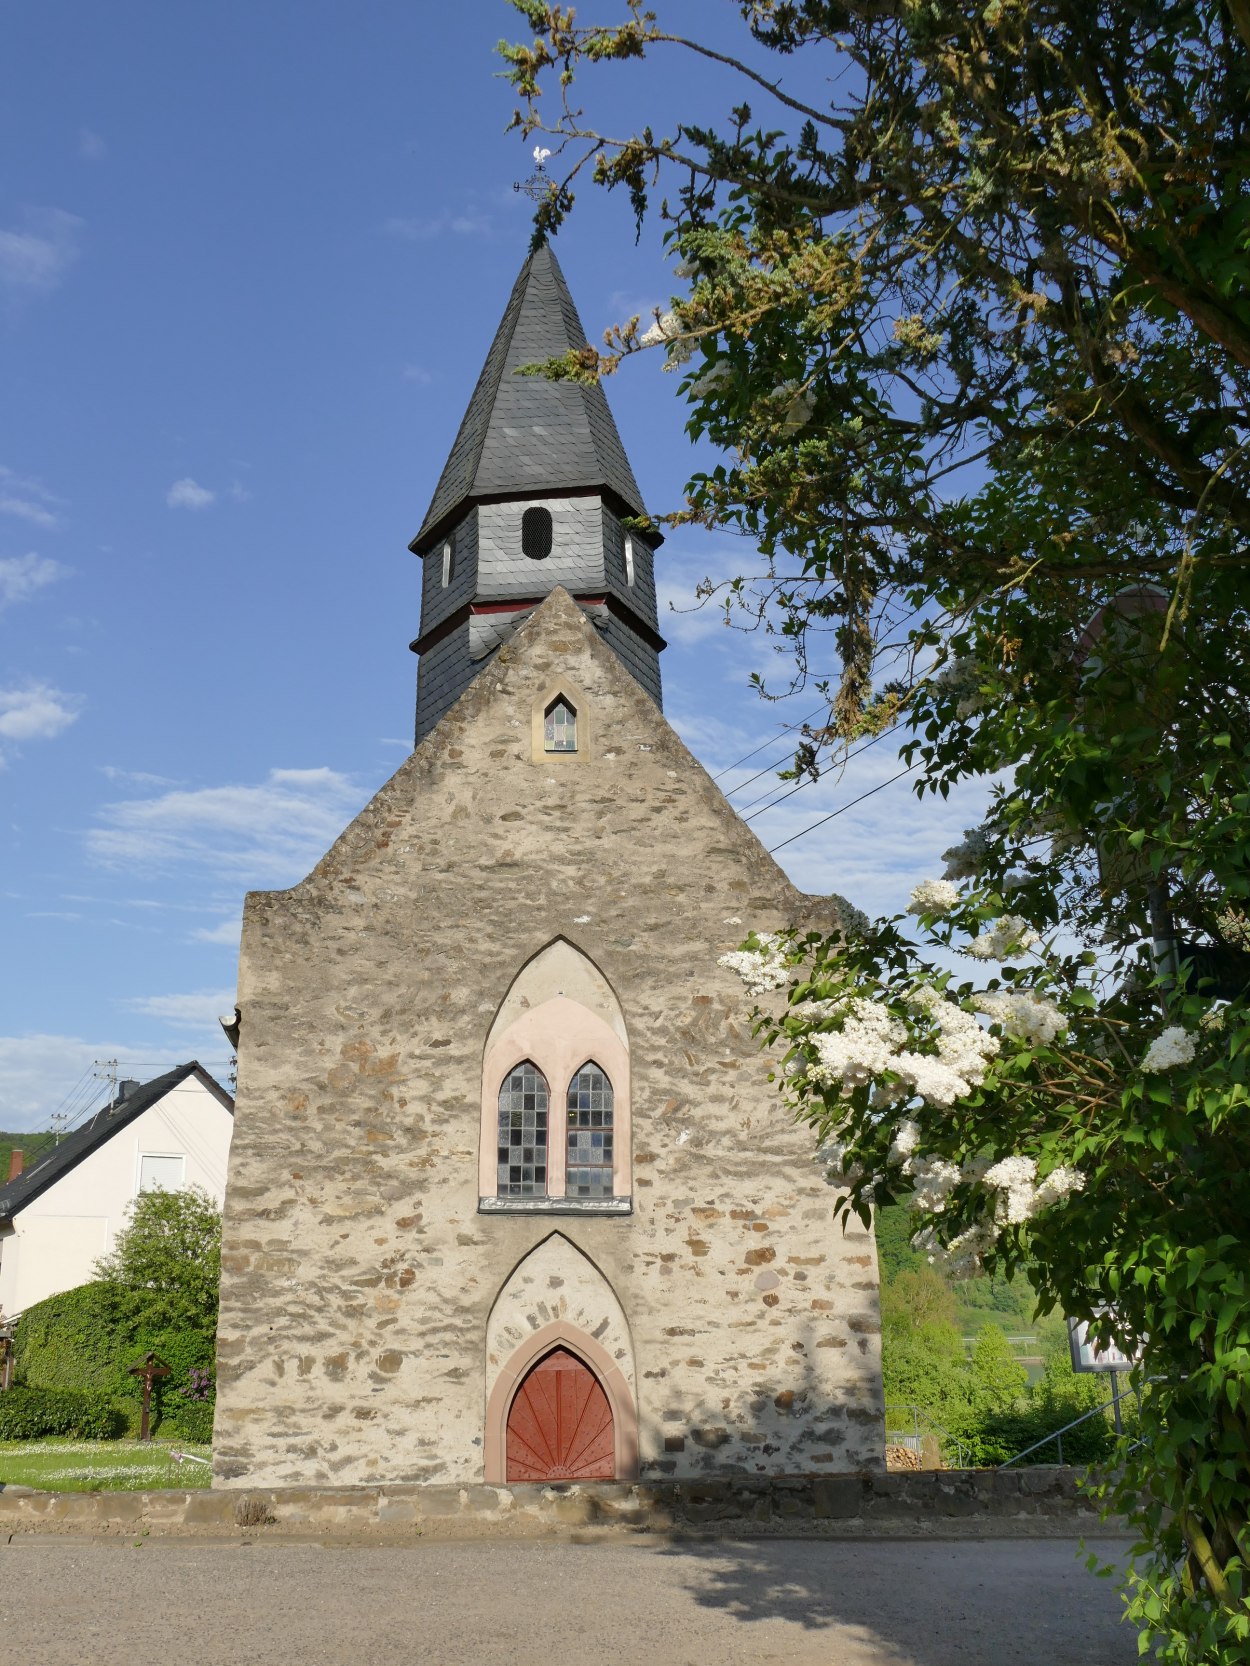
<point x="522" y="1154"/>
<point x="560" y="727"/>
<point x="589" y="1172"/>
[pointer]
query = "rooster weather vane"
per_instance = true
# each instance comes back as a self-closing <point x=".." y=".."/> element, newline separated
<point x="538" y="185"/>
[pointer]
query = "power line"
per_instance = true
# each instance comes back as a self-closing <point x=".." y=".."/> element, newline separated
<point x="808" y="780"/>
<point x="747" y="756"/>
<point x="881" y="785"/>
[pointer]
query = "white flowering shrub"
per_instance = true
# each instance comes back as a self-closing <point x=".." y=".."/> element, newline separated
<point x="933" y="896"/>
<point x="896" y="1068"/>
<point x="1175" y="1046"/>
<point x="974" y="1102"/>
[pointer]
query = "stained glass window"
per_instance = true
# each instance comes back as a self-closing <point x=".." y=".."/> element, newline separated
<point x="589" y="1134"/>
<point x="560" y="727"/>
<point x="523" y="1133"/>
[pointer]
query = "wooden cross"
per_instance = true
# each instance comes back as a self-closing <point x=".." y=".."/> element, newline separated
<point x="149" y="1368"/>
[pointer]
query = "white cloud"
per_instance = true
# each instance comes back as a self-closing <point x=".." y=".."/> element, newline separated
<point x="136" y="777"/>
<point x="25" y="510"/>
<point x="623" y="304"/>
<point x="227" y="932"/>
<point x="35" y="257"/>
<point x="36" y="712"/>
<point x="189" y="494"/>
<point x="43" y="1073"/>
<point x="875" y="850"/>
<point x="687" y="618"/>
<point x="91" y="146"/>
<point x="237" y="492"/>
<point x="469" y="224"/>
<point x="28" y="499"/>
<point x="418" y="374"/>
<point x="872" y="852"/>
<point x="193" y="1012"/>
<point x="271" y="833"/>
<point x="22" y="575"/>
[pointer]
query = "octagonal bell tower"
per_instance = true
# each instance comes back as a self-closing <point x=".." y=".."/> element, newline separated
<point x="535" y="493"/>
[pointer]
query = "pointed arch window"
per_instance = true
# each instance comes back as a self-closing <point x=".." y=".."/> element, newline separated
<point x="555" y="1106"/>
<point x="560" y="726"/>
<point x="522" y="1145"/>
<point x="588" y="1170"/>
<point x="629" y="559"/>
<point x="449" y="563"/>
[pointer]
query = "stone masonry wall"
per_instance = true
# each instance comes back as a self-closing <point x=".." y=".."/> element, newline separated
<point x="359" y="1278"/>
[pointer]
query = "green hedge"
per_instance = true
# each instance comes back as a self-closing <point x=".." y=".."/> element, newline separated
<point x="85" y="1340"/>
<point x="192" y="1421"/>
<point x="34" y="1413"/>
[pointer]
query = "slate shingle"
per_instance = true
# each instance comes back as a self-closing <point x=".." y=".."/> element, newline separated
<point x="523" y="434"/>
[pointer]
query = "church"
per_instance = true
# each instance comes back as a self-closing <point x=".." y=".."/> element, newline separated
<point x="511" y="1198"/>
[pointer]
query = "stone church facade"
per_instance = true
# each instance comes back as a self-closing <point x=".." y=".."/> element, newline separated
<point x="511" y="1198"/>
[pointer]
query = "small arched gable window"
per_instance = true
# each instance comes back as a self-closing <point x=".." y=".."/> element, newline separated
<point x="536" y="534"/>
<point x="522" y="1146"/>
<point x="588" y="1172"/>
<point x="560" y="727"/>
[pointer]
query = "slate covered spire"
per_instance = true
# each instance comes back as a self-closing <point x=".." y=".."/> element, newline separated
<point x="536" y="495"/>
<point x="523" y="434"/>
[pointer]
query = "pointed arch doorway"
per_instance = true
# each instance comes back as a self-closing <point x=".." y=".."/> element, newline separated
<point x="560" y="1424"/>
<point x="562" y="1346"/>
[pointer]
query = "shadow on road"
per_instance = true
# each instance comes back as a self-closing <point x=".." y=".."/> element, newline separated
<point x="920" y="1603"/>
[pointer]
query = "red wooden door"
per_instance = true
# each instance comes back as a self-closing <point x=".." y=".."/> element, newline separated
<point x="560" y="1425"/>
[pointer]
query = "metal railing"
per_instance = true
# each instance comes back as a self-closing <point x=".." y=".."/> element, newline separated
<point x="1113" y="1404"/>
<point x="898" y="1438"/>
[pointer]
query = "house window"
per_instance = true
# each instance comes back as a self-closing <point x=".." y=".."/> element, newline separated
<point x="536" y="534"/>
<point x="161" y="1174"/>
<point x="629" y="559"/>
<point x="560" y="727"/>
<point x="589" y="1169"/>
<point x="522" y="1150"/>
<point x="449" y="563"/>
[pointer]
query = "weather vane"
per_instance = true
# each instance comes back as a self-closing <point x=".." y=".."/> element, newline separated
<point x="537" y="186"/>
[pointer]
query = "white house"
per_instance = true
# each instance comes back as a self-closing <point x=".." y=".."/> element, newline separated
<point x="64" y="1211"/>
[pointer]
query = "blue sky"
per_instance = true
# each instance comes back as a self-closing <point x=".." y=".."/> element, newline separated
<point x="251" y="258"/>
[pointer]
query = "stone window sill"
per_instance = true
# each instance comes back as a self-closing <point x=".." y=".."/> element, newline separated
<point x="555" y="1206"/>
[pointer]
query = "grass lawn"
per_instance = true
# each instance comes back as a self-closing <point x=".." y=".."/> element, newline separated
<point x="99" y="1465"/>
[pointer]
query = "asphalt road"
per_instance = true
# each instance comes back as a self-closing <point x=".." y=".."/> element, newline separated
<point x="64" y="1602"/>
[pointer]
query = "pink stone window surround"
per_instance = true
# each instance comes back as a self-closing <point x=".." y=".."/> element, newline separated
<point x="558" y="1038"/>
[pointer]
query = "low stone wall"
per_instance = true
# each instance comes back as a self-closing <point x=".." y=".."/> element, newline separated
<point x="1038" y="1502"/>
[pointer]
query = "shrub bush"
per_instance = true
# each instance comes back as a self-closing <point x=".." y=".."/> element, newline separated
<point x="85" y="1340"/>
<point x="192" y="1420"/>
<point x="76" y="1340"/>
<point x="34" y="1413"/>
<point x="1006" y="1434"/>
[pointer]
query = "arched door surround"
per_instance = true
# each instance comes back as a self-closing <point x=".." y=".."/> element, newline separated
<point x="560" y="1335"/>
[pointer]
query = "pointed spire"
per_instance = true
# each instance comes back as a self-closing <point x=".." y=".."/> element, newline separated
<point x="523" y="434"/>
